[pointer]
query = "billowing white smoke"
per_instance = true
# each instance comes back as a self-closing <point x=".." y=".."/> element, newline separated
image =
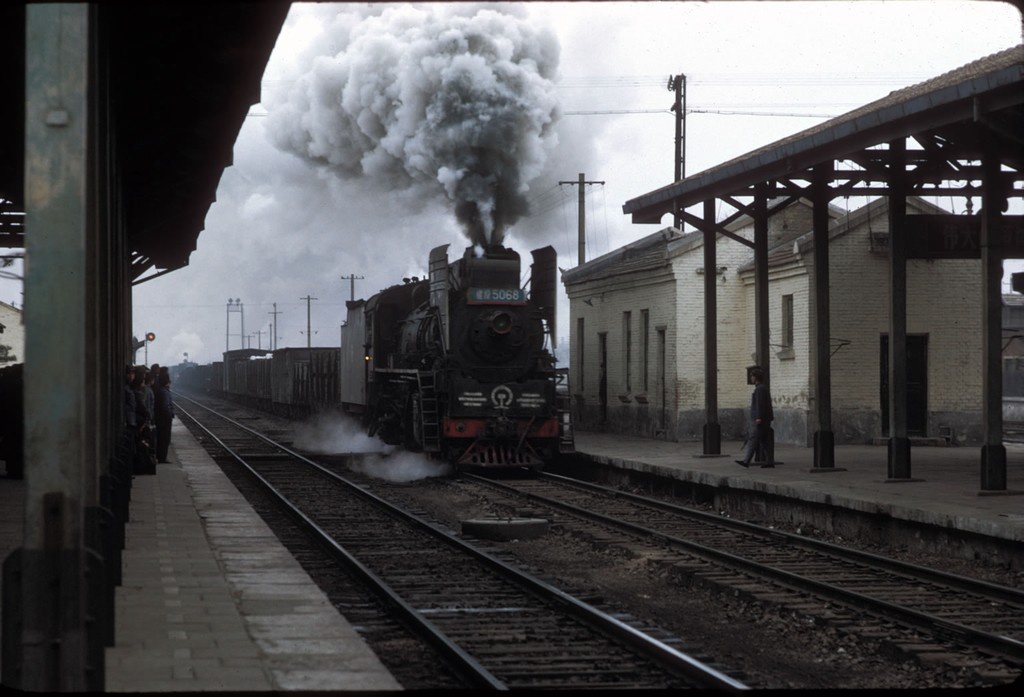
<point x="458" y="98"/>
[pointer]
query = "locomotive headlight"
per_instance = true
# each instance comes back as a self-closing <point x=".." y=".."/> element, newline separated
<point x="501" y="323"/>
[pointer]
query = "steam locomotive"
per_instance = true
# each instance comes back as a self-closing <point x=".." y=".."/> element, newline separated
<point x="457" y="366"/>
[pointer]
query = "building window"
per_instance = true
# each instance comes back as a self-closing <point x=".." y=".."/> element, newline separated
<point x="787" y="321"/>
<point x="645" y="342"/>
<point x="627" y="345"/>
<point x="786" y="338"/>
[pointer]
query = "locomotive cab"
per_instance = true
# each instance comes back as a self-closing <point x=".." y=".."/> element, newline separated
<point x="501" y="399"/>
<point x="497" y="331"/>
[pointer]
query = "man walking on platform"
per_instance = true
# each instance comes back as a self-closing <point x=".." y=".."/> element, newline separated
<point x="760" y="426"/>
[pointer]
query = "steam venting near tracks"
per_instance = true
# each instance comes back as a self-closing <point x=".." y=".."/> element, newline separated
<point x="456" y="99"/>
<point x="337" y="434"/>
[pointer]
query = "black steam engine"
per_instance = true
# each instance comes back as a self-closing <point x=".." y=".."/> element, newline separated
<point x="458" y="364"/>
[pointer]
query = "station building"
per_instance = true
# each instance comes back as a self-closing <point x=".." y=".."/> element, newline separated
<point x="637" y="332"/>
<point x="12" y="335"/>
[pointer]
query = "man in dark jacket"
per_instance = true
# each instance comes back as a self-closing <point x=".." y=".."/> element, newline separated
<point x="164" y="414"/>
<point x="761" y="417"/>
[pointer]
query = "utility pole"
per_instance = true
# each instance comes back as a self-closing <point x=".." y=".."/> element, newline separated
<point x="309" y="333"/>
<point x="678" y="85"/>
<point x="234" y="305"/>
<point x="582" y="215"/>
<point x="351" y="278"/>
<point x="273" y="326"/>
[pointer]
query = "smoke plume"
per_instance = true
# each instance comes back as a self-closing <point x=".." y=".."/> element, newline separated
<point x="454" y="99"/>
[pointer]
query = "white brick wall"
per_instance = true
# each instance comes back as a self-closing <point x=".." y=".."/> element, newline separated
<point x="14" y="333"/>
<point x="944" y="302"/>
<point x="608" y="300"/>
<point x="734" y="333"/>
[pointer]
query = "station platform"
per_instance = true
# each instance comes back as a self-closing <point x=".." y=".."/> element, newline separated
<point x="942" y="492"/>
<point x="211" y="601"/>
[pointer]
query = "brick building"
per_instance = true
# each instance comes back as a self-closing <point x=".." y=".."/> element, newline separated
<point x="12" y="335"/>
<point x="637" y="332"/>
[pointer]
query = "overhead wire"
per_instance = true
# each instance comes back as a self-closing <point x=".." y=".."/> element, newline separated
<point x="724" y="112"/>
<point x="752" y="80"/>
<point x="745" y="79"/>
<point x="714" y="80"/>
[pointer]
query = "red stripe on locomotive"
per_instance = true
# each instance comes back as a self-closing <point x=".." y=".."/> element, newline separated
<point x="477" y="428"/>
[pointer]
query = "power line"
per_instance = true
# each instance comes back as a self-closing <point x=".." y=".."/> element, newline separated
<point x="695" y="110"/>
<point x="753" y="80"/>
<point x="723" y="112"/>
<point x="858" y="79"/>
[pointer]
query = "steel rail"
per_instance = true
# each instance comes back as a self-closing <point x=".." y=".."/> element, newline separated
<point x="972" y="585"/>
<point x="951" y="631"/>
<point x="465" y="664"/>
<point x="654" y="649"/>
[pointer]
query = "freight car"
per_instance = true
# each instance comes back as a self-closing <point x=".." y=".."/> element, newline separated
<point x="201" y="379"/>
<point x="457" y="365"/>
<point x="289" y="382"/>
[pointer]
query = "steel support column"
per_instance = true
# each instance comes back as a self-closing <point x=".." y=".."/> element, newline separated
<point x="761" y="348"/>
<point x="58" y="578"/>
<point x="761" y="331"/>
<point x="899" y="443"/>
<point x="712" y="429"/>
<point x="993" y="452"/>
<point x="824" y="439"/>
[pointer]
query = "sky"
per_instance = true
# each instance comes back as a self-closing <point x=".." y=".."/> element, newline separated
<point x="371" y="144"/>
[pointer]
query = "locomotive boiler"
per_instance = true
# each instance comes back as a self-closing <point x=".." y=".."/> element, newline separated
<point x="458" y="364"/>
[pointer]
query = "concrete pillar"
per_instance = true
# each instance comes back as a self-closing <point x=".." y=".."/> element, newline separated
<point x="55" y="635"/>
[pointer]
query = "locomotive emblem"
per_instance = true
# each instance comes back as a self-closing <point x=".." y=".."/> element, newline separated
<point x="502" y="396"/>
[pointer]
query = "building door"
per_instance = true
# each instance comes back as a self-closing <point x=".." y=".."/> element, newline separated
<point x="917" y="384"/>
<point x="602" y="375"/>
<point x="661" y="377"/>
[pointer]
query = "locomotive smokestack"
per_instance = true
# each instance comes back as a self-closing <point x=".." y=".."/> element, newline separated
<point x="456" y="99"/>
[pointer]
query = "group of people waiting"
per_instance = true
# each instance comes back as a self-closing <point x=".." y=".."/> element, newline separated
<point x="149" y="410"/>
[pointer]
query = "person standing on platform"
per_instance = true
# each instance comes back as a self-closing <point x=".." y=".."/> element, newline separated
<point x="145" y="460"/>
<point x="151" y="390"/>
<point x="130" y="421"/>
<point x="760" y="425"/>
<point x="164" y="414"/>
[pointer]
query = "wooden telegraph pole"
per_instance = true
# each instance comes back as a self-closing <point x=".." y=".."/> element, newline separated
<point x="582" y="215"/>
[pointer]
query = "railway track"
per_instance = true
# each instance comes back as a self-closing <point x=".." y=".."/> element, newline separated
<point x="972" y="625"/>
<point x="493" y="625"/>
<point x="1013" y="432"/>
